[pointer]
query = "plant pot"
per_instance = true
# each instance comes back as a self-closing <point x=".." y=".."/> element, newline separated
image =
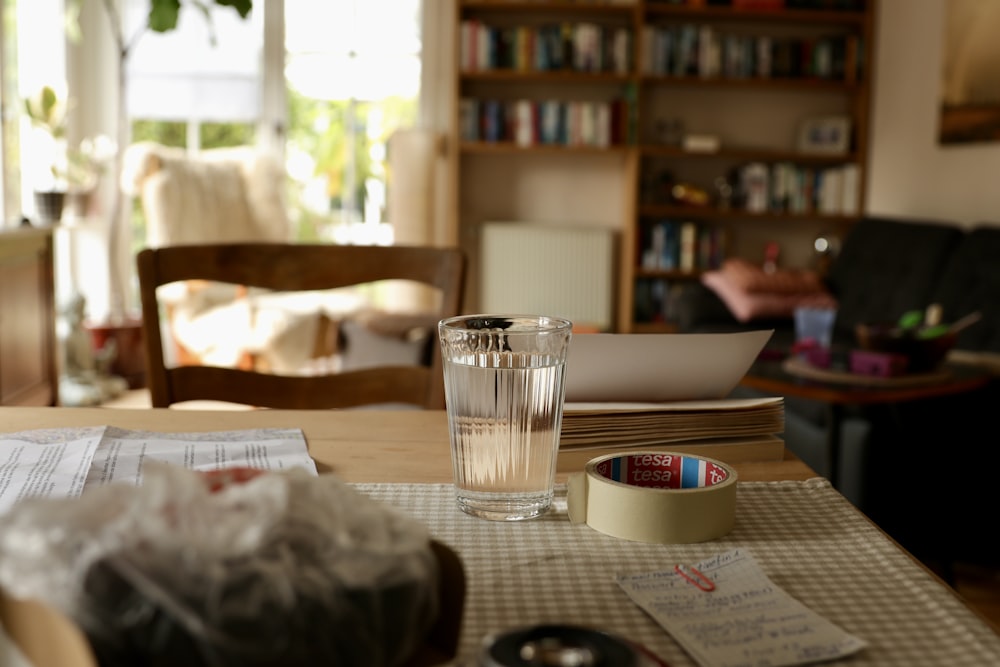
<point x="130" y="359"/>
<point x="49" y="205"/>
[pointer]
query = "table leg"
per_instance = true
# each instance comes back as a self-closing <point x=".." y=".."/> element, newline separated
<point x="835" y="413"/>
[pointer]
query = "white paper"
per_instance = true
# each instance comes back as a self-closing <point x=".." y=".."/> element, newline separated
<point x="123" y="452"/>
<point x="659" y="367"/>
<point x="747" y="620"/>
<point x="48" y="463"/>
<point x="63" y="463"/>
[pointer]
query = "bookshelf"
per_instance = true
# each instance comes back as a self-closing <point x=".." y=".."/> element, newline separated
<point x="735" y="125"/>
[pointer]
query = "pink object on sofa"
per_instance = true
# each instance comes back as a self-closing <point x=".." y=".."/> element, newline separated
<point x="751" y="296"/>
<point x="749" y="277"/>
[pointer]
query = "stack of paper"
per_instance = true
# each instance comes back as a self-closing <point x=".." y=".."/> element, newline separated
<point x="752" y="421"/>
<point x="658" y="390"/>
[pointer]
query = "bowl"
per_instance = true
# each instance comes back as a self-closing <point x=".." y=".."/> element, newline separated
<point x="922" y="353"/>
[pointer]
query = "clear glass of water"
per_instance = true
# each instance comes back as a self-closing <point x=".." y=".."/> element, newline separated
<point x="504" y="391"/>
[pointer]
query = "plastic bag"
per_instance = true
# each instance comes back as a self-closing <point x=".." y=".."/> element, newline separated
<point x="281" y="569"/>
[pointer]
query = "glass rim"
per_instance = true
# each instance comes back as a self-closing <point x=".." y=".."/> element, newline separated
<point x="547" y="323"/>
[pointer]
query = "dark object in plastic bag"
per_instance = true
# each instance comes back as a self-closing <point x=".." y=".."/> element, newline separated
<point x="49" y="639"/>
<point x="309" y="634"/>
<point x="242" y="569"/>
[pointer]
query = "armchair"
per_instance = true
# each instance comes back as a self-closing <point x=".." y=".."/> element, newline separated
<point x="233" y="195"/>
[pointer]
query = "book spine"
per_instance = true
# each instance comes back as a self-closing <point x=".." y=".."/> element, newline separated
<point x="468" y="119"/>
<point x="523" y="123"/>
<point x="688" y="246"/>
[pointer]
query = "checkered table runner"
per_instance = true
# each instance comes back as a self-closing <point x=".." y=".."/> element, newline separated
<point x="807" y="538"/>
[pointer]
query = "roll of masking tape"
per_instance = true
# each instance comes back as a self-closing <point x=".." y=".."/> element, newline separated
<point x="661" y="497"/>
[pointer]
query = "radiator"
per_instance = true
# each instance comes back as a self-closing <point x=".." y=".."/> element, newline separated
<point x="548" y="270"/>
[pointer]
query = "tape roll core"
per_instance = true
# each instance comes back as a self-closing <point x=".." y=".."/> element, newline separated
<point x="655" y="496"/>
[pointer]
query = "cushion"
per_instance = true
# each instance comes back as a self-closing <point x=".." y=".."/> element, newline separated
<point x="746" y="306"/>
<point x="364" y="347"/>
<point x="750" y="277"/>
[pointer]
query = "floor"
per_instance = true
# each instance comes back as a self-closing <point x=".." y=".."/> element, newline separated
<point x="979" y="585"/>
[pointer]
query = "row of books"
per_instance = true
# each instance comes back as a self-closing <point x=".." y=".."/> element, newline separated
<point x="704" y="51"/>
<point x="550" y="122"/>
<point x="581" y="47"/>
<point x="681" y="245"/>
<point x="784" y="187"/>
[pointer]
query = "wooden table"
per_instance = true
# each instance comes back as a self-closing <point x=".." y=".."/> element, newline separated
<point x="798" y="526"/>
<point x="358" y="445"/>
<point x="773" y="376"/>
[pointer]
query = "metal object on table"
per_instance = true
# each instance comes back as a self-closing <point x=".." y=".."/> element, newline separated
<point x="557" y="646"/>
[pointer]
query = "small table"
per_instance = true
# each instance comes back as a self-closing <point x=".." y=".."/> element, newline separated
<point x="787" y="377"/>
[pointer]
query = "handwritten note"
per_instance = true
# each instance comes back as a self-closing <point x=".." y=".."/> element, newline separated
<point x="746" y="621"/>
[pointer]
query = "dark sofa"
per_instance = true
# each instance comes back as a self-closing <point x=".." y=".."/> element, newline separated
<point x="921" y="469"/>
<point x="885" y="268"/>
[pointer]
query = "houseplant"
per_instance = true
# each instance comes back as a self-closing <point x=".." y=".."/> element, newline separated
<point x="62" y="172"/>
<point x="47" y="111"/>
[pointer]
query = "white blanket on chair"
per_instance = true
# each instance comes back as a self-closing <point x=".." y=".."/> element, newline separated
<point x="219" y="195"/>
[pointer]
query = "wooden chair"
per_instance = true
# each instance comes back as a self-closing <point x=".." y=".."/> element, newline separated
<point x="289" y="267"/>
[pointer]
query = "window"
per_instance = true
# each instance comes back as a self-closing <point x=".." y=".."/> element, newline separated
<point x="353" y="73"/>
<point x="349" y="75"/>
<point x="10" y="192"/>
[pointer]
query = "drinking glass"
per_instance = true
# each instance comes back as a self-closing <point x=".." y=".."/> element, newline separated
<point x="815" y="324"/>
<point x="504" y="391"/>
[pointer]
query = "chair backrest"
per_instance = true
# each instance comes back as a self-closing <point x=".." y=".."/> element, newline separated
<point x="290" y="267"/>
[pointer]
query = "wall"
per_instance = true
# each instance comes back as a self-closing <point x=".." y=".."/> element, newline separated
<point x="911" y="174"/>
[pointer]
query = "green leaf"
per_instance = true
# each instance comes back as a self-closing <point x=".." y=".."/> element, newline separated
<point x="932" y="332"/>
<point x="242" y="7"/>
<point x="911" y="319"/>
<point x="163" y="14"/>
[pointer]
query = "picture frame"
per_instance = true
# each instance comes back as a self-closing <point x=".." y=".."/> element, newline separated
<point x="827" y="135"/>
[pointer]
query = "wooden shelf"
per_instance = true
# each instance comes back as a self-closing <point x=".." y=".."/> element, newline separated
<point x="656" y="10"/>
<point x="755" y="118"/>
<point x="561" y="7"/>
<point x="500" y="147"/>
<point x="505" y="75"/>
<point x="668" y="275"/>
<point x="801" y="84"/>
<point x="710" y="213"/>
<point x="748" y="154"/>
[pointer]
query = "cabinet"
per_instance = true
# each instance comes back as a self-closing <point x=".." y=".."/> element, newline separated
<point x="28" y="363"/>
<point x="695" y="129"/>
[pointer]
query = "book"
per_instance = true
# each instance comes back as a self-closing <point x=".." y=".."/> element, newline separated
<point x="524" y="125"/>
<point x="849" y="189"/>
<point x="688" y="246"/>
